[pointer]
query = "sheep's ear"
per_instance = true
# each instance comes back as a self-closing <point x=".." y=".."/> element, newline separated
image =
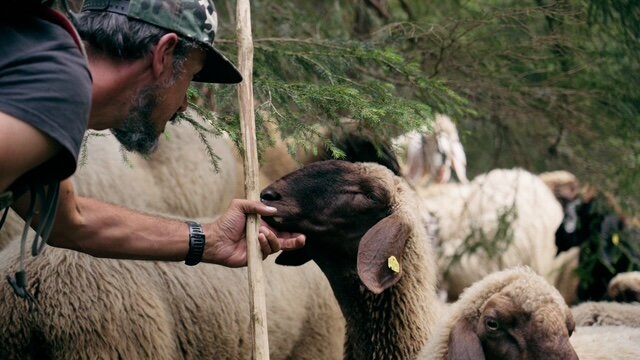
<point x="293" y="257"/>
<point x="384" y="240"/>
<point x="464" y="343"/>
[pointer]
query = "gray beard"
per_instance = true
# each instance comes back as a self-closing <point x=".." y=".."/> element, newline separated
<point x="137" y="132"/>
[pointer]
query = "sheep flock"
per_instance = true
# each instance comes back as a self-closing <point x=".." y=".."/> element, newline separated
<point x="398" y="264"/>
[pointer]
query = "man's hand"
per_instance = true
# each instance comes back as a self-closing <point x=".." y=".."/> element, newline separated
<point x="226" y="239"/>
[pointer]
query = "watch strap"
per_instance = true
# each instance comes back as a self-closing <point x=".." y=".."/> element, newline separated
<point x="197" y="241"/>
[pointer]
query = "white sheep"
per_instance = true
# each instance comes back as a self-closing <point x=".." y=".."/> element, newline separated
<point x="625" y="287"/>
<point x="601" y="313"/>
<point x="429" y="157"/>
<point x="90" y="308"/>
<point x="606" y="342"/>
<point x="177" y="179"/>
<point x="503" y="218"/>
<point x="364" y="231"/>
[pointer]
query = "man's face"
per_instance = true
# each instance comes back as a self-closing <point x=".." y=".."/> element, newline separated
<point x="156" y="104"/>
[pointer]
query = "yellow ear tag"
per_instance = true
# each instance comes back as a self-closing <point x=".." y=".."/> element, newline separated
<point x="393" y="264"/>
<point x="615" y="239"/>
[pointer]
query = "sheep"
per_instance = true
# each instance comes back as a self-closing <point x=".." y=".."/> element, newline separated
<point x="594" y="222"/>
<point x="507" y="217"/>
<point x="93" y="308"/>
<point x="606" y="343"/>
<point x="515" y="303"/>
<point x="346" y="209"/>
<point x="625" y="287"/>
<point x="364" y="232"/>
<point x="178" y="180"/>
<point x="600" y="313"/>
<point x="429" y="158"/>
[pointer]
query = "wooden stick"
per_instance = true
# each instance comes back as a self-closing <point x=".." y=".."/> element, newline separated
<point x="260" y="349"/>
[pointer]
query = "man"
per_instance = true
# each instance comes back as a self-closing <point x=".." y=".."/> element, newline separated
<point x="142" y="56"/>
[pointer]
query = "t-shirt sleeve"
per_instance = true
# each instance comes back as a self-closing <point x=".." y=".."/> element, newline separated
<point x="45" y="82"/>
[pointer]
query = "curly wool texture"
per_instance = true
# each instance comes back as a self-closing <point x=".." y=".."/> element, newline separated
<point x="473" y="212"/>
<point x="100" y="308"/>
<point x="521" y="284"/>
<point x="602" y="313"/>
<point x="92" y="308"/>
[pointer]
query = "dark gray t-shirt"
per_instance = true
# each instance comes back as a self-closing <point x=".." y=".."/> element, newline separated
<point x="45" y="81"/>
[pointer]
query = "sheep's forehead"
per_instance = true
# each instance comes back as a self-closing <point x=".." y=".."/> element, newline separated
<point x="536" y="296"/>
<point x="399" y="191"/>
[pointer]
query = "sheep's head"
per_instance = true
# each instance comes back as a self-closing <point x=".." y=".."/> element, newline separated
<point x="346" y="211"/>
<point x="625" y="287"/>
<point x="519" y="316"/>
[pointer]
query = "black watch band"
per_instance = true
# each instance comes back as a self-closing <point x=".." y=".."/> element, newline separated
<point x="196" y="244"/>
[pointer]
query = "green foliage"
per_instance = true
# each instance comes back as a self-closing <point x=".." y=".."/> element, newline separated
<point x="537" y="84"/>
<point x="309" y="81"/>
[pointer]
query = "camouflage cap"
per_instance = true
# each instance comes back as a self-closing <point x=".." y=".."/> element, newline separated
<point x="192" y="19"/>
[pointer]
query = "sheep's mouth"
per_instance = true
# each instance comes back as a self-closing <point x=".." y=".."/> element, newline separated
<point x="280" y="221"/>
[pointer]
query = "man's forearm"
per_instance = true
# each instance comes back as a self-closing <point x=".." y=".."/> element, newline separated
<point x="105" y="230"/>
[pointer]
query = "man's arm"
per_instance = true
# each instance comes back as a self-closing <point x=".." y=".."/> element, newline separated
<point x="22" y="148"/>
<point x="105" y="230"/>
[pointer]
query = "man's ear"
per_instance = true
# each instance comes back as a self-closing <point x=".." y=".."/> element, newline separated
<point x="163" y="55"/>
<point x="385" y="239"/>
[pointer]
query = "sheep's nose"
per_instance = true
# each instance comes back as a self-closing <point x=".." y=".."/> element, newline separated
<point x="270" y="195"/>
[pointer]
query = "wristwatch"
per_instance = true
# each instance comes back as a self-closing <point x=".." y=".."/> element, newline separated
<point x="196" y="243"/>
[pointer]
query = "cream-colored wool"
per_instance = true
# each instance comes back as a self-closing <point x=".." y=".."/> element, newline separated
<point x="472" y="213"/>
<point x="606" y="342"/>
<point x="600" y="313"/>
<point x="92" y="308"/>
<point x="565" y="275"/>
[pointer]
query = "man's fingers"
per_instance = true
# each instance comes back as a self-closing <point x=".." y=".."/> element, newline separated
<point x="254" y="207"/>
<point x="293" y="243"/>
<point x="264" y="245"/>
<point x="271" y="242"/>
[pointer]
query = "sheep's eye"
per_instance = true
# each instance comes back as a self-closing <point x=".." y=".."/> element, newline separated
<point x="491" y="324"/>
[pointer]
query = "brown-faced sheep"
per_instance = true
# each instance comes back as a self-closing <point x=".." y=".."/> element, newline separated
<point x="364" y="231"/>
<point x="506" y="315"/>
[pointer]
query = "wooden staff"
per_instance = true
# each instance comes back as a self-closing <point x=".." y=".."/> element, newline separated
<point x="260" y="349"/>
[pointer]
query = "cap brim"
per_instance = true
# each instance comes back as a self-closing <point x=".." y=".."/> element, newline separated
<point x="217" y="69"/>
